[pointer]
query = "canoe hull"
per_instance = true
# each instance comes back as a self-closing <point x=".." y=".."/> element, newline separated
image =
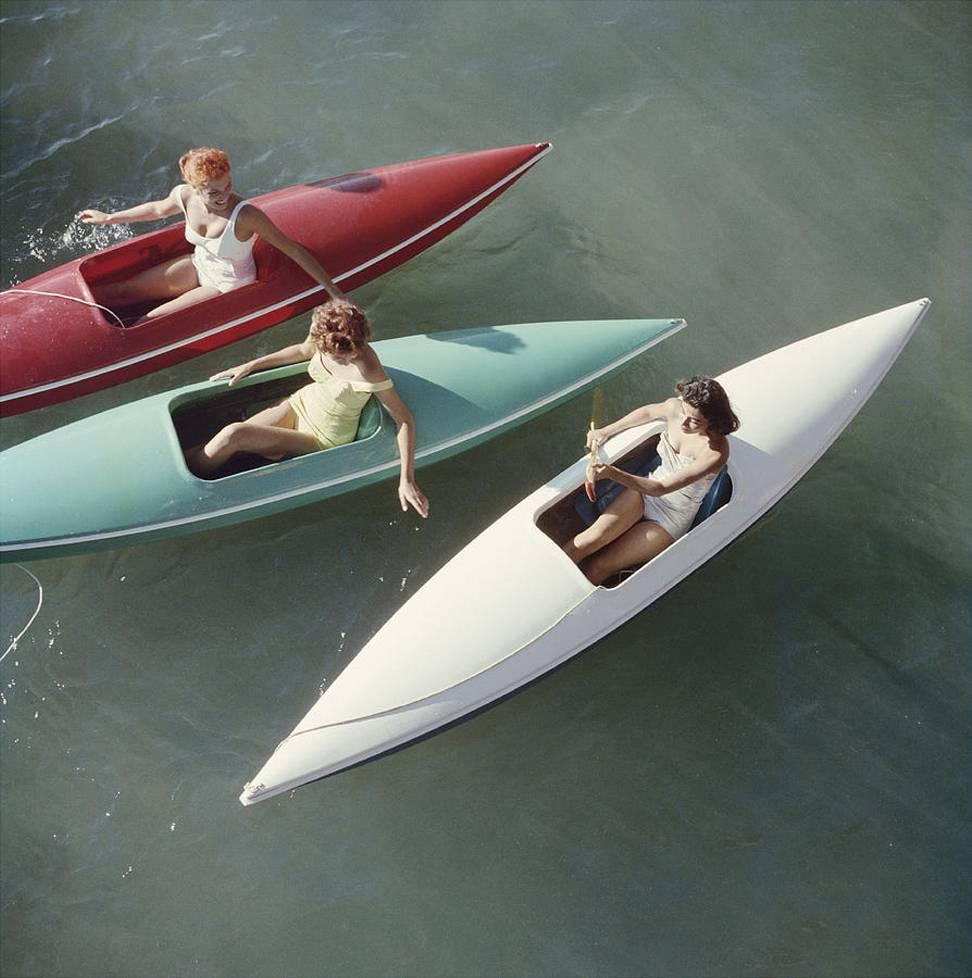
<point x="413" y="677"/>
<point x="130" y="483"/>
<point x="358" y="226"/>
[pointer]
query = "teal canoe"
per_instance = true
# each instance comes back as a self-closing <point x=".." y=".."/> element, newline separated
<point x="119" y="477"/>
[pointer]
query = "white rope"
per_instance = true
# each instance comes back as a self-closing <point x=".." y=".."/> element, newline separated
<point x="40" y="601"/>
<point x="70" y="298"/>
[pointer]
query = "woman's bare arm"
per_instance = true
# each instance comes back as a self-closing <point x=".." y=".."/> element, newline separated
<point x="409" y="493"/>
<point x="650" y="485"/>
<point x="289" y="354"/>
<point x="253" y="219"/>
<point x="640" y="415"/>
<point x="153" y="210"/>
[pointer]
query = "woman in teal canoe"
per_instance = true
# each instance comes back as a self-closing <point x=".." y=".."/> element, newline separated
<point x="653" y="511"/>
<point x="220" y="225"/>
<point x="345" y="372"/>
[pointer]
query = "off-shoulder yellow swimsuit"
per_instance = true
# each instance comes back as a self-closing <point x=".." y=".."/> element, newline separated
<point x="329" y="409"/>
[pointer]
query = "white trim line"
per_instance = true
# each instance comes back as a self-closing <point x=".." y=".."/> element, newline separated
<point x="159" y="351"/>
<point x="440" y="447"/>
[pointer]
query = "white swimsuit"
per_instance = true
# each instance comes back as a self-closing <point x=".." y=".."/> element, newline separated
<point x="675" y="511"/>
<point x="224" y="262"/>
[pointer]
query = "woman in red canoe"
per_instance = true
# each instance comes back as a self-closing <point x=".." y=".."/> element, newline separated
<point x="222" y="227"/>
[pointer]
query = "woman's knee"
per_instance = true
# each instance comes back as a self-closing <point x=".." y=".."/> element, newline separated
<point x="233" y="437"/>
<point x="596" y="569"/>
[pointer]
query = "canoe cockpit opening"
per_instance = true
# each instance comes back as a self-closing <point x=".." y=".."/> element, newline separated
<point x="102" y="273"/>
<point x="574" y="512"/>
<point x="198" y="419"/>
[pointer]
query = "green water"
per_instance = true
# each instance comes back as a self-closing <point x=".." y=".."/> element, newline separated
<point x="766" y="773"/>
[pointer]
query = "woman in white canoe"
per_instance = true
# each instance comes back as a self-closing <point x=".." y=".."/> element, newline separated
<point x="653" y="511"/>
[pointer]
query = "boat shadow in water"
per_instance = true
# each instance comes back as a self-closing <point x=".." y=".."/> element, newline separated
<point x="496" y="341"/>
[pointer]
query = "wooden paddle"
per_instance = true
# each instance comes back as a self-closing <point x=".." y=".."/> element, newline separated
<point x="597" y="417"/>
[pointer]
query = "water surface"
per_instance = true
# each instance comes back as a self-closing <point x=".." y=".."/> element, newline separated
<point x="767" y="772"/>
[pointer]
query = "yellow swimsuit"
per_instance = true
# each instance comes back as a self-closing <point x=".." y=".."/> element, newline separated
<point x="329" y="409"/>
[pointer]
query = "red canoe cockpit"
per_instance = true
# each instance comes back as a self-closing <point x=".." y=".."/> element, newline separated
<point x="135" y="256"/>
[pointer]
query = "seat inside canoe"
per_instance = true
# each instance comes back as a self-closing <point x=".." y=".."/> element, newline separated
<point x="196" y="421"/>
<point x="575" y="512"/>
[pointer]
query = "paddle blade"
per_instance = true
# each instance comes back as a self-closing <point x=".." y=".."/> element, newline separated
<point x="597" y="408"/>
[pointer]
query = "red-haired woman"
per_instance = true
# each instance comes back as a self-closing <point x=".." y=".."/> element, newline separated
<point x="345" y="372"/>
<point x="222" y="227"/>
<point x="653" y="511"/>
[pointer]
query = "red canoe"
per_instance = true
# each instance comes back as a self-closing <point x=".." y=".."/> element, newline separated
<point x="55" y="347"/>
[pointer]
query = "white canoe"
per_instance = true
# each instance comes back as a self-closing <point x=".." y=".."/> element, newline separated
<point x="434" y="661"/>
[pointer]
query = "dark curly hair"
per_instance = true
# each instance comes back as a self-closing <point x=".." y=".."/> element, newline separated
<point x="708" y="396"/>
<point x="339" y="327"/>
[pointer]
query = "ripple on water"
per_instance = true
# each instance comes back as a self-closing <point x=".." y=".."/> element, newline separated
<point x="50" y="14"/>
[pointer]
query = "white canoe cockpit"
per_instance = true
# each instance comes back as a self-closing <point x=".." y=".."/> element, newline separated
<point x="571" y="511"/>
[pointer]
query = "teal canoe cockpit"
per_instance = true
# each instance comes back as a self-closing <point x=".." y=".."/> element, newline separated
<point x="196" y="420"/>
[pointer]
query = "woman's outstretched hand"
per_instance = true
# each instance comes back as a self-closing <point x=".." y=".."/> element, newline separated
<point x="91" y="216"/>
<point x="234" y="373"/>
<point x="409" y="494"/>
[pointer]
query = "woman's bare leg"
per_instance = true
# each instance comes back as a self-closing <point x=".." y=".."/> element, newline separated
<point x="269" y="433"/>
<point x="620" y="516"/>
<point x="638" y="545"/>
<point x="164" y="281"/>
<point x="189" y="298"/>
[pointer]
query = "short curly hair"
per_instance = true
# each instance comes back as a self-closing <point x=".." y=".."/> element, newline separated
<point x="339" y="327"/>
<point x="709" y="397"/>
<point x="203" y="164"/>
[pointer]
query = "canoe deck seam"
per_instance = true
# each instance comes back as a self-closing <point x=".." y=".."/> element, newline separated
<point x="444" y="689"/>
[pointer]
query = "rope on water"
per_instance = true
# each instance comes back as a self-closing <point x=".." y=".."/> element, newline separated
<point x="70" y="298"/>
<point x="40" y="601"/>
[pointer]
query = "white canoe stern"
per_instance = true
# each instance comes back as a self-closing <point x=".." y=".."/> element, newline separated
<point x="438" y="656"/>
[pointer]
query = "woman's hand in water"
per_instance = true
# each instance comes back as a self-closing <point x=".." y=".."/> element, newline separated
<point x="409" y="494"/>
<point x="234" y="373"/>
<point x="92" y="216"/>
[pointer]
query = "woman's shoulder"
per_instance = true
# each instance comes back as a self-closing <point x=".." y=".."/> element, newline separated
<point x="249" y="214"/>
<point x="718" y="447"/>
<point x="370" y="367"/>
<point x="667" y="409"/>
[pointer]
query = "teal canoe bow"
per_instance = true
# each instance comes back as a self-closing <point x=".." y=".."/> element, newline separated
<point x="119" y="478"/>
